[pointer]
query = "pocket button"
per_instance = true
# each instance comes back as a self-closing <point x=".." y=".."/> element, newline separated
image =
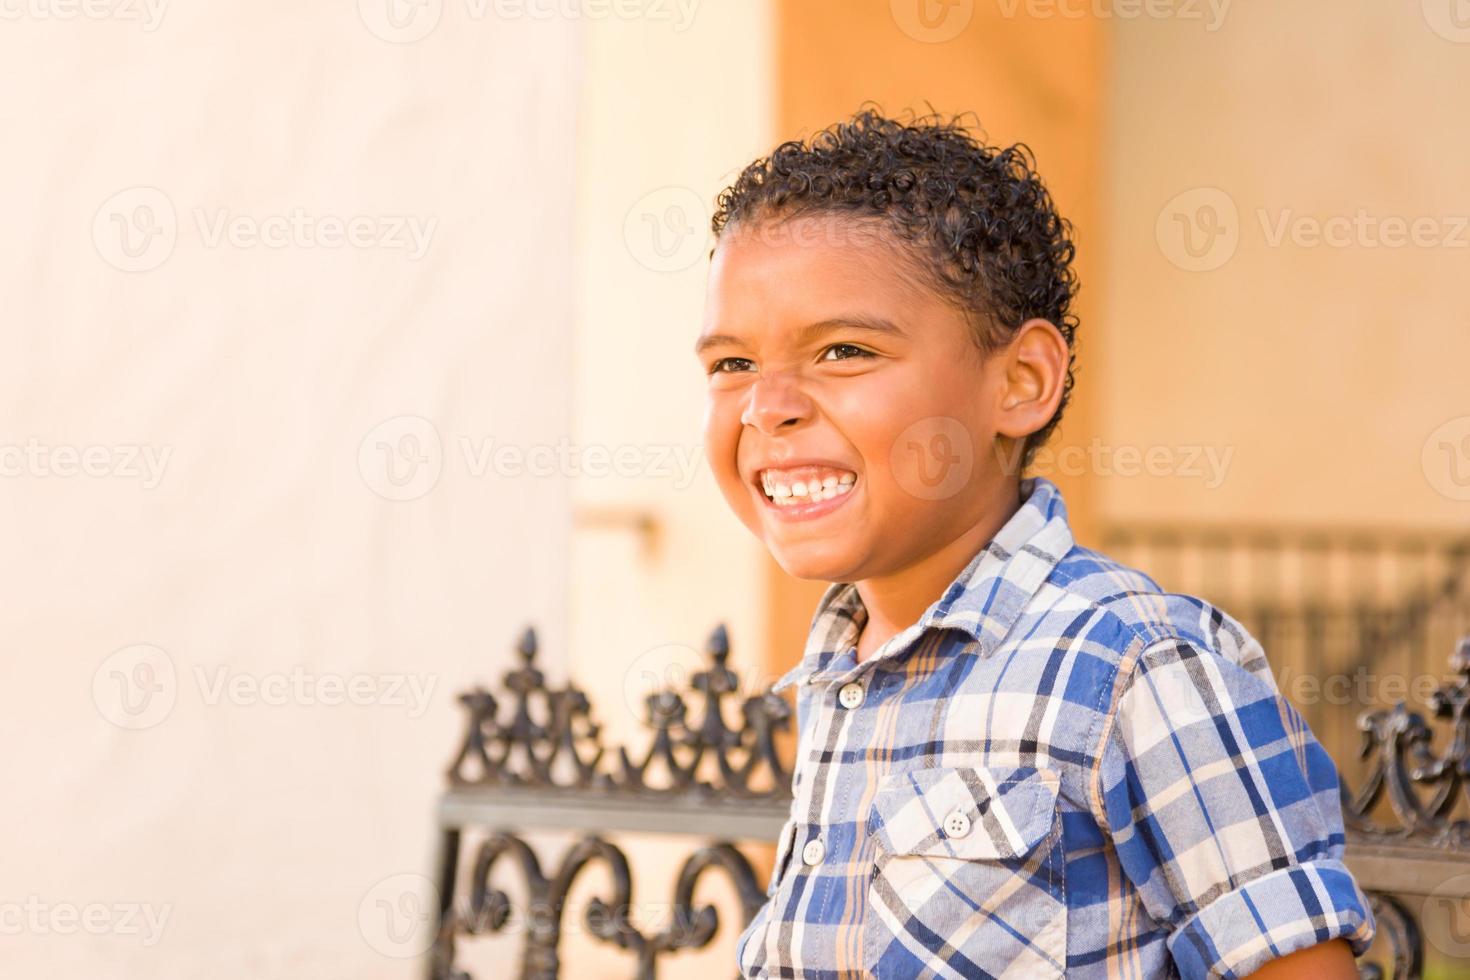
<point x="956" y="824"/>
<point x="813" y="851"/>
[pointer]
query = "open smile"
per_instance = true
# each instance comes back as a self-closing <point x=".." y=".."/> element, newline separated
<point x="804" y="492"/>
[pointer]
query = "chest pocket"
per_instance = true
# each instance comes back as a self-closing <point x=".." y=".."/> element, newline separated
<point x="968" y="874"/>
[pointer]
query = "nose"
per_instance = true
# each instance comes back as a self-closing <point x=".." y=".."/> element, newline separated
<point x="774" y="402"/>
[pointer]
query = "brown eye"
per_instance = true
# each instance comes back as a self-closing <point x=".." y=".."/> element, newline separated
<point x="855" y="350"/>
<point x="718" y="367"/>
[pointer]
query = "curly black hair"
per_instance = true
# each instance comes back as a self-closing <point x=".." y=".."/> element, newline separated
<point x="986" y="235"/>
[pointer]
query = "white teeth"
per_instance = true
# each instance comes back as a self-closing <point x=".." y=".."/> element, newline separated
<point x="808" y="490"/>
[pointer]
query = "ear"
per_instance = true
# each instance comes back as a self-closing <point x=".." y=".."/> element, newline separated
<point x="1035" y="373"/>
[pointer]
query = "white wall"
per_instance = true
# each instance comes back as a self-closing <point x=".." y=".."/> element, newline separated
<point x="262" y="831"/>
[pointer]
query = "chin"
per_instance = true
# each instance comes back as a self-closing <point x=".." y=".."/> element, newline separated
<point x="813" y="564"/>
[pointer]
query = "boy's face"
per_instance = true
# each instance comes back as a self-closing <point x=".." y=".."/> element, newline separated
<point x="905" y="417"/>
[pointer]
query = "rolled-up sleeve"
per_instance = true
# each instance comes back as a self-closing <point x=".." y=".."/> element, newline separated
<point x="1225" y="812"/>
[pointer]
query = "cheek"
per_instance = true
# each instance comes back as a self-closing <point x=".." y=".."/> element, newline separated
<point x="918" y="450"/>
<point x="722" y="441"/>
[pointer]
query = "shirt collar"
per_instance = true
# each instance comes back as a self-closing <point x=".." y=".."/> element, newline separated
<point x="984" y="600"/>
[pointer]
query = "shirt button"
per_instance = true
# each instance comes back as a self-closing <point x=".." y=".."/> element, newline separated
<point x="813" y="851"/>
<point x="956" y="824"/>
<point x="851" y="695"/>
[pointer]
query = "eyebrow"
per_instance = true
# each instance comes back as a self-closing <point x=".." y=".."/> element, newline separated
<point x="808" y="333"/>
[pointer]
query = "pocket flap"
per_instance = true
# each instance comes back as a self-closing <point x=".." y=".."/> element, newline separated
<point x="1007" y="811"/>
<point x="784" y="841"/>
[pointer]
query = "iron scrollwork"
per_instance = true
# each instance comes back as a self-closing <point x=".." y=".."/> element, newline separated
<point x="1422" y="786"/>
<point x="542" y="920"/>
<point x="546" y="739"/>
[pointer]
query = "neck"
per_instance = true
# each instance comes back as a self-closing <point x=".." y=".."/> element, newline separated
<point x="896" y="601"/>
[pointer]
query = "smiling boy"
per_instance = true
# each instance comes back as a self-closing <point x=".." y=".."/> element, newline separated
<point x="1015" y="756"/>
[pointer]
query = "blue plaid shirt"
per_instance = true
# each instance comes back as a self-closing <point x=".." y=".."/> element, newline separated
<point x="1060" y="769"/>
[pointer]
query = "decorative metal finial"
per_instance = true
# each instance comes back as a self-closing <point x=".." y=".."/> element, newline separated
<point x="547" y="725"/>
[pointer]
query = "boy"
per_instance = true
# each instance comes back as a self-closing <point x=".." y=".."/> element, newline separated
<point x="1015" y="756"/>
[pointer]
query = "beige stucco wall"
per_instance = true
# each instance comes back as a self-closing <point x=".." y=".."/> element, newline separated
<point x="1324" y="369"/>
